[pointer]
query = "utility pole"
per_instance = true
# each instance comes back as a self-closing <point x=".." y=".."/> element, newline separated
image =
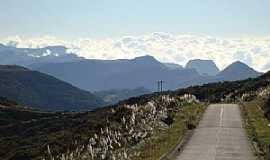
<point x="160" y="85"/>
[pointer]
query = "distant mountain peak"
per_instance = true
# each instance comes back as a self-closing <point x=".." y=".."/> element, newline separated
<point x="203" y="67"/>
<point x="145" y="58"/>
<point x="238" y="65"/>
<point x="57" y="47"/>
<point x="12" y="68"/>
<point x="238" y="71"/>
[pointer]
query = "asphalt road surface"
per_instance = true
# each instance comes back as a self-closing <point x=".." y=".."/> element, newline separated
<point x="219" y="136"/>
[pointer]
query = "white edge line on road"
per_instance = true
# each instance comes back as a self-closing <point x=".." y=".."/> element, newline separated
<point x="221" y="116"/>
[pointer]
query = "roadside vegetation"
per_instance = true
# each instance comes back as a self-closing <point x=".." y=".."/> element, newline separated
<point x="257" y="123"/>
<point x="254" y="94"/>
<point x="139" y="131"/>
<point x="165" y="141"/>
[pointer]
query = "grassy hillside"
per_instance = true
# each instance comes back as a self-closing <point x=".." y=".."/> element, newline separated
<point x="42" y="91"/>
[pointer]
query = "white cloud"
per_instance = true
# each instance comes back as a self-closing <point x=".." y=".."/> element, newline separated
<point x="165" y="47"/>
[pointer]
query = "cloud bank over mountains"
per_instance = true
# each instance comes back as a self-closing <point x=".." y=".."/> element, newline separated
<point x="163" y="46"/>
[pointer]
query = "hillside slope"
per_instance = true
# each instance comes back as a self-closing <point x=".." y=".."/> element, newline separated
<point x="42" y="91"/>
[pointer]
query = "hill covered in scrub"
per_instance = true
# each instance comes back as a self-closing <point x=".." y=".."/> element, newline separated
<point x="42" y="91"/>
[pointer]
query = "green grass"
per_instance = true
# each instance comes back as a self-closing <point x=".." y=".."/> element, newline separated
<point x="165" y="140"/>
<point x="257" y="128"/>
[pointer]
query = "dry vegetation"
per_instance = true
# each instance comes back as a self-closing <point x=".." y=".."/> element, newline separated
<point x="145" y="131"/>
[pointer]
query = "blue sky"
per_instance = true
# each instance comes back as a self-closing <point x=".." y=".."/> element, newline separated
<point x="170" y="30"/>
<point x="115" y="18"/>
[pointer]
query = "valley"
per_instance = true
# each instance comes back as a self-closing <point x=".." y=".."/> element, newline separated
<point x="108" y="109"/>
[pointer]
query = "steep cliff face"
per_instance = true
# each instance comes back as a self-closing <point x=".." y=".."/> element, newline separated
<point x="203" y="67"/>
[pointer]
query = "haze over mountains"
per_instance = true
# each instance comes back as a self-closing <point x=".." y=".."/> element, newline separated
<point x="96" y="75"/>
<point x="108" y="78"/>
<point x="26" y="56"/>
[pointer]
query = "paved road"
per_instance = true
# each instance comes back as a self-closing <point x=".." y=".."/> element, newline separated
<point x="219" y="136"/>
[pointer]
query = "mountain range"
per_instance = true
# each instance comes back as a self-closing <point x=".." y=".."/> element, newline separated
<point x="108" y="78"/>
<point x="145" y="71"/>
<point x="97" y="75"/>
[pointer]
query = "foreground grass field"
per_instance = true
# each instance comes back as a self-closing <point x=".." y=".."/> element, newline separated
<point x="166" y="140"/>
<point x="258" y="128"/>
